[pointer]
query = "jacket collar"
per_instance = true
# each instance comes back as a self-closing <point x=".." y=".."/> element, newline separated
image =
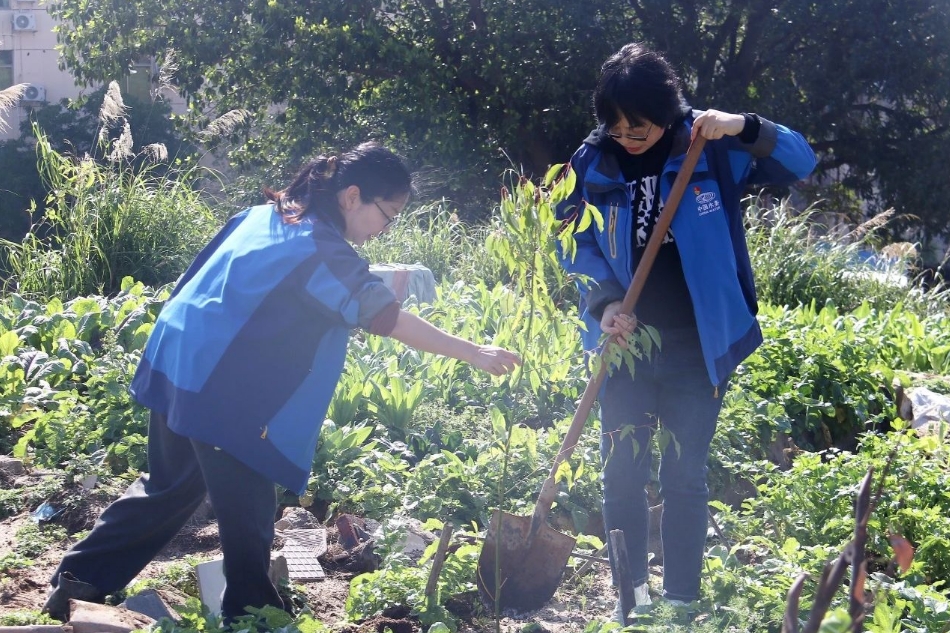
<point x="605" y="172"/>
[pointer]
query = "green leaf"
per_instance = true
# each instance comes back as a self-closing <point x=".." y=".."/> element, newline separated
<point x="552" y="173"/>
<point x="499" y="425"/>
<point x="9" y="343"/>
<point x="837" y="621"/>
<point x="584" y="222"/>
<point x="564" y="473"/>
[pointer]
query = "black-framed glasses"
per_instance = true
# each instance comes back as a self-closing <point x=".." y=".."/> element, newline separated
<point x="389" y="219"/>
<point x="631" y="137"/>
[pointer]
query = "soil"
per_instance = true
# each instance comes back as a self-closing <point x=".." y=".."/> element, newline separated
<point x="23" y="589"/>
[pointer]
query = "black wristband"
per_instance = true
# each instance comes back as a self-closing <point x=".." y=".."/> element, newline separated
<point x="750" y="132"/>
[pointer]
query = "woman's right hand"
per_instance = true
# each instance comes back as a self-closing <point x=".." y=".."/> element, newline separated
<point x="617" y="324"/>
<point x="497" y="361"/>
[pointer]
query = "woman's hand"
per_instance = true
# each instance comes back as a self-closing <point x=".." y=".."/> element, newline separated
<point x="416" y="332"/>
<point x="713" y="124"/>
<point x="617" y="324"/>
<point x="497" y="361"/>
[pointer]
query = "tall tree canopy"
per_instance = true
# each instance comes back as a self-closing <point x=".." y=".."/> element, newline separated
<point x="468" y="86"/>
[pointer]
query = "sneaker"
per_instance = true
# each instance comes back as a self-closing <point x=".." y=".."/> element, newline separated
<point x="641" y="595"/>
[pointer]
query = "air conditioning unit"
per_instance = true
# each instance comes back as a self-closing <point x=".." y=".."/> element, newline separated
<point x="34" y="93"/>
<point x="24" y="21"/>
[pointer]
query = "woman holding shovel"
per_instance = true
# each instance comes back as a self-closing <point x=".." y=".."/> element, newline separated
<point x="240" y="368"/>
<point x="700" y="294"/>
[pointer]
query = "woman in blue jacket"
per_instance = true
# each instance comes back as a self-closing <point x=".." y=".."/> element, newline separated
<point x="240" y="367"/>
<point x="700" y="294"/>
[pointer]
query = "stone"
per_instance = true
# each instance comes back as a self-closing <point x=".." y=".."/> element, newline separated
<point x="12" y="467"/>
<point x="295" y="518"/>
<point x="148" y="603"/>
<point x="88" y="617"/>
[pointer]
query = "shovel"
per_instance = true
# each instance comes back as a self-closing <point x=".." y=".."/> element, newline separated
<point x="526" y="555"/>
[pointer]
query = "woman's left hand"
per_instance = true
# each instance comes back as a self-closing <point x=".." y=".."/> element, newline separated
<point x="714" y="124"/>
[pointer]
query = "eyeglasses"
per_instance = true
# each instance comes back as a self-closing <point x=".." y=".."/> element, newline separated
<point x="630" y="137"/>
<point x="389" y="219"/>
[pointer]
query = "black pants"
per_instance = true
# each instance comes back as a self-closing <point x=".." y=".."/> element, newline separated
<point x="135" y="527"/>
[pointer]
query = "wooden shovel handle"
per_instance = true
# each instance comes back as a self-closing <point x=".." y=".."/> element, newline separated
<point x="548" y="489"/>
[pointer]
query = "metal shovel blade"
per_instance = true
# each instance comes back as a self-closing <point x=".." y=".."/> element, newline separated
<point x="529" y="569"/>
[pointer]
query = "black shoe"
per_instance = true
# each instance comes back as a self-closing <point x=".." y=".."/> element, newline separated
<point x="69" y="587"/>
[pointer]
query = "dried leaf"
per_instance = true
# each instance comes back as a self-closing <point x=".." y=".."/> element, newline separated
<point x="903" y="551"/>
<point x="858" y="589"/>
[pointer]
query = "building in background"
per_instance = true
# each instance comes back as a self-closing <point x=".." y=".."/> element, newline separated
<point x="28" y="55"/>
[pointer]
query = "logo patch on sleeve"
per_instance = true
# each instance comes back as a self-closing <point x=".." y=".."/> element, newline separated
<point x="706" y="201"/>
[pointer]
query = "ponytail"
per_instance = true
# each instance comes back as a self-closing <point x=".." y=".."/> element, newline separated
<point x="377" y="171"/>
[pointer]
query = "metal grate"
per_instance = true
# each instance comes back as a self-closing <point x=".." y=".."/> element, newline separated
<point x="302" y="548"/>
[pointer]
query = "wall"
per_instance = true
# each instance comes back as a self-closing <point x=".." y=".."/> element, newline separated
<point x="35" y="61"/>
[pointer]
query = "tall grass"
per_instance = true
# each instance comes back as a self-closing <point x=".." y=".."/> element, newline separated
<point x="104" y="222"/>
<point x="123" y="215"/>
<point x="9" y="98"/>
<point x="797" y="261"/>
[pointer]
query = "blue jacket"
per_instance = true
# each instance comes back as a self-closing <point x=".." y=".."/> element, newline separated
<point x="707" y="227"/>
<point x="248" y="350"/>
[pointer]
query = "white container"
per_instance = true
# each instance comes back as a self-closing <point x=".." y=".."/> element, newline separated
<point x="407" y="280"/>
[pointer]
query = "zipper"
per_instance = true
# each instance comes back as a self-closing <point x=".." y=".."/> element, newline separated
<point x="612" y="230"/>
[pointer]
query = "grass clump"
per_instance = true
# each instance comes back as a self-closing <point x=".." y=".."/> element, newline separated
<point x="798" y="261"/>
<point x="104" y="223"/>
<point x="26" y="618"/>
<point x="112" y="215"/>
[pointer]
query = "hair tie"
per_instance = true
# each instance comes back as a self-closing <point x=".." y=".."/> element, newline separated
<point x="331" y="167"/>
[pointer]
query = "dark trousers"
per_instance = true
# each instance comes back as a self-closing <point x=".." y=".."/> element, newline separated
<point x="674" y="391"/>
<point x="135" y="527"/>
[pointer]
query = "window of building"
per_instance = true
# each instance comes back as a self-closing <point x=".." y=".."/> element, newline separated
<point x="138" y="84"/>
<point x="4" y="4"/>
<point x="6" y="68"/>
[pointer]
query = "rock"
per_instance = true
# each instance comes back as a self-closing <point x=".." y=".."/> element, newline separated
<point x="10" y="466"/>
<point x="278" y="570"/>
<point x="416" y="540"/>
<point x="148" y="603"/>
<point x="348" y="535"/>
<point x="295" y="518"/>
<point x="87" y="617"/>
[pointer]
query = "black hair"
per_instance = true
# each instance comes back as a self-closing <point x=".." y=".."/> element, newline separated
<point x="639" y="84"/>
<point x="376" y="170"/>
